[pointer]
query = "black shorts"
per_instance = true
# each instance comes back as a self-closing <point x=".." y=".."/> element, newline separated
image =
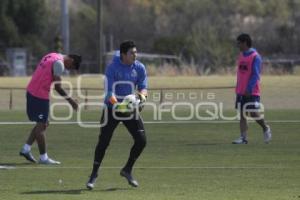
<point x="37" y="108"/>
<point x="247" y="102"/>
<point x="110" y="120"/>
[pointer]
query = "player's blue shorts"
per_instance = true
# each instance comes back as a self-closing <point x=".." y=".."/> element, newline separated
<point x="37" y="108"/>
<point x="247" y="102"/>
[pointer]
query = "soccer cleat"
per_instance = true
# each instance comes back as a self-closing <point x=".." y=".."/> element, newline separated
<point x="240" y="140"/>
<point x="129" y="178"/>
<point x="28" y="156"/>
<point x="91" y="182"/>
<point x="267" y="135"/>
<point x="49" y="161"/>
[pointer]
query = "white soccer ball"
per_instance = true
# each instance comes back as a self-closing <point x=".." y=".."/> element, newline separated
<point x="131" y="100"/>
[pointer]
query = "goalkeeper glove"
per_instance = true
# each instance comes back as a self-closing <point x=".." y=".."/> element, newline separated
<point x="123" y="107"/>
<point x="142" y="99"/>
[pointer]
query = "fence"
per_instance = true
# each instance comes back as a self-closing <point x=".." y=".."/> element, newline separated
<point x="14" y="98"/>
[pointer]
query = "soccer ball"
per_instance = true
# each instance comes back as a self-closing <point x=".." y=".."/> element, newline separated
<point x="132" y="101"/>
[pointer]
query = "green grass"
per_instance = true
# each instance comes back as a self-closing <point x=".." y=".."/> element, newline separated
<point x="278" y="92"/>
<point x="181" y="161"/>
<point x="95" y="81"/>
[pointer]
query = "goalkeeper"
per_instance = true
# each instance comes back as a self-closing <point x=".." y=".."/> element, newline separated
<point x="124" y="76"/>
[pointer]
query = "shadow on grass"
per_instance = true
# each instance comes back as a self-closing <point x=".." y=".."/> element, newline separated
<point x="202" y="144"/>
<point x="72" y="191"/>
<point x="17" y="164"/>
<point x="6" y="166"/>
<point x="114" y="189"/>
<point x="78" y="191"/>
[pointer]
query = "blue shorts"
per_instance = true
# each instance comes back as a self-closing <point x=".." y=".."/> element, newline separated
<point x="253" y="102"/>
<point x="37" y="108"/>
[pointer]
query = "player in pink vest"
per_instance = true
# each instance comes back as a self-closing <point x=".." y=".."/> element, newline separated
<point x="248" y="89"/>
<point x="48" y="71"/>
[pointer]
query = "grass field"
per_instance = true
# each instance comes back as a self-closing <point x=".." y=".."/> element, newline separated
<point x="95" y="81"/>
<point x="191" y="160"/>
<point x="279" y="92"/>
<point x="181" y="161"/>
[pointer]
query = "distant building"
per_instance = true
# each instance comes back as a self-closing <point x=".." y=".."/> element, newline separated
<point x="17" y="61"/>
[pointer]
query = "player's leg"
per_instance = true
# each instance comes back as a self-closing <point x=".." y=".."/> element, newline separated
<point x="35" y="109"/>
<point x="243" y="121"/>
<point x="137" y="131"/>
<point x="243" y="125"/>
<point x="266" y="128"/>
<point x="31" y="137"/>
<point x="106" y="132"/>
<point x="38" y="111"/>
<point x="108" y="123"/>
<point x="30" y="110"/>
<point x="26" y="149"/>
<point x="255" y="106"/>
<point x="42" y="145"/>
<point x="38" y="134"/>
<point x="39" y="130"/>
<point x="259" y="120"/>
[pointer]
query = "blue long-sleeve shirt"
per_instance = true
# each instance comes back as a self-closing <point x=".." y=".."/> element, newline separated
<point x="122" y="80"/>
<point x="256" y="69"/>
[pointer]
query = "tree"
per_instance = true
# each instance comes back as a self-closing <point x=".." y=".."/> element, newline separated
<point x="22" y="24"/>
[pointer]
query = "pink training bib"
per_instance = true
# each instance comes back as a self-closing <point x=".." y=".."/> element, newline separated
<point x="244" y="71"/>
<point x="40" y="83"/>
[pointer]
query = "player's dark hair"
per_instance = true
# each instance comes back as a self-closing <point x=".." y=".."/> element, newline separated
<point x="76" y="60"/>
<point x="126" y="45"/>
<point x="244" y="37"/>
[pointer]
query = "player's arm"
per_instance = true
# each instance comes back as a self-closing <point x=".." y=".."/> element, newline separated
<point x="142" y="85"/>
<point x="61" y="92"/>
<point x="254" y="75"/>
<point x="58" y="69"/>
<point x="110" y="97"/>
<point x="109" y="81"/>
<point x="142" y="95"/>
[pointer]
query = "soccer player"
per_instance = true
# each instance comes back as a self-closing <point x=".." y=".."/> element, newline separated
<point x="248" y="88"/>
<point x="48" y="71"/>
<point x="124" y="76"/>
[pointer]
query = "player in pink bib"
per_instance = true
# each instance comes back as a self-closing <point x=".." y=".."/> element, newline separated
<point x="248" y="89"/>
<point x="47" y="72"/>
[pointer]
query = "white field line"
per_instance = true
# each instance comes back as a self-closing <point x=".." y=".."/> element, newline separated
<point x="149" y="122"/>
<point x="162" y="167"/>
<point x="7" y="167"/>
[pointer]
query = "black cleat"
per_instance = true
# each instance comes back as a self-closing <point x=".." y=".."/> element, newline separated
<point x="28" y="156"/>
<point x="91" y="182"/>
<point x="129" y="178"/>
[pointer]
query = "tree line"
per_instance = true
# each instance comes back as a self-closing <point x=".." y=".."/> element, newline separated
<point x="201" y="32"/>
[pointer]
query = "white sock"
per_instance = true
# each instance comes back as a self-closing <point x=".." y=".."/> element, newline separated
<point x="44" y="156"/>
<point x="27" y="147"/>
